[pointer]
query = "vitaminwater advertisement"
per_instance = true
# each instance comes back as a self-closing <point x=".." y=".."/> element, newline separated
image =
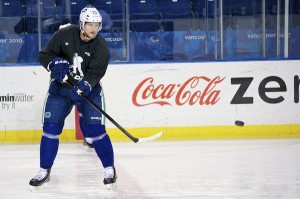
<point x="22" y="97"/>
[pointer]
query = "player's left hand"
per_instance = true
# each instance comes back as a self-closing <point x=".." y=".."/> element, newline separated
<point x="83" y="87"/>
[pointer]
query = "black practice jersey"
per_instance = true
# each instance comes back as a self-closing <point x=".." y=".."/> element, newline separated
<point x="89" y="60"/>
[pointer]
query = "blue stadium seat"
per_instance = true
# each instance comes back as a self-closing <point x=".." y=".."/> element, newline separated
<point x="243" y="8"/>
<point x="69" y="10"/>
<point x="12" y="8"/>
<point x="295" y="4"/>
<point x="176" y="14"/>
<point x="75" y="7"/>
<point x="242" y="15"/>
<point x="294" y="19"/>
<point x="48" y="7"/>
<point x="1" y="9"/>
<point x="49" y="23"/>
<point x="116" y="11"/>
<point x="144" y="15"/>
<point x="32" y="16"/>
<point x="12" y="17"/>
<point x="271" y="7"/>
<point x="205" y="8"/>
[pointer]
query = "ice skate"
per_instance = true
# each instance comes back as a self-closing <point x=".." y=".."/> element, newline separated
<point x="86" y="143"/>
<point x="110" y="177"/>
<point x="40" y="180"/>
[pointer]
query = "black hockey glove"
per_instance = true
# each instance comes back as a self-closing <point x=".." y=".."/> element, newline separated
<point x="59" y="67"/>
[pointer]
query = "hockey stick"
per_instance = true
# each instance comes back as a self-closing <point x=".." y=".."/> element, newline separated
<point x="134" y="139"/>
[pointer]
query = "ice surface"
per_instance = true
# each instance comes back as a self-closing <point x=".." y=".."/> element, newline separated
<point x="227" y="169"/>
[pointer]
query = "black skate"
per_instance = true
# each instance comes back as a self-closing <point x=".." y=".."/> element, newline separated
<point x="85" y="143"/>
<point x="41" y="179"/>
<point x="110" y="177"/>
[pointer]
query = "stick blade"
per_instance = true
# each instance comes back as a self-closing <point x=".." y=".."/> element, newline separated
<point x="151" y="138"/>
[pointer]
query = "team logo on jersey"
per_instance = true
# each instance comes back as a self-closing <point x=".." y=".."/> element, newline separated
<point x="76" y="67"/>
<point x="47" y="114"/>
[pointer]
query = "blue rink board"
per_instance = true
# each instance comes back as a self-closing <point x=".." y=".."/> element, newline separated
<point x="162" y="46"/>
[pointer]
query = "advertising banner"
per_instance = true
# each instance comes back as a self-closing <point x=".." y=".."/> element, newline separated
<point x="22" y="96"/>
<point x="204" y="94"/>
<point x="187" y="100"/>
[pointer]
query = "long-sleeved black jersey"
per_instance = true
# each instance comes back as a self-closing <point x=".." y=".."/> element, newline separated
<point x="89" y="60"/>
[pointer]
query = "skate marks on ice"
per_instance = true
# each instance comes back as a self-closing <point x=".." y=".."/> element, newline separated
<point x="232" y="169"/>
<point x="91" y="193"/>
<point x="77" y="174"/>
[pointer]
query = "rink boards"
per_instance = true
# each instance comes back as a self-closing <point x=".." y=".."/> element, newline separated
<point x="184" y="100"/>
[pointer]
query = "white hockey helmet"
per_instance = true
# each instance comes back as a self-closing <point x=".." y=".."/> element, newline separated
<point x="89" y="14"/>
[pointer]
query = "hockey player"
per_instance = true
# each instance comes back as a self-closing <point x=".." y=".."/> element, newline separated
<point x="82" y="55"/>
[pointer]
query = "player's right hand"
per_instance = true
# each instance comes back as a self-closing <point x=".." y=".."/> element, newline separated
<point x="59" y="67"/>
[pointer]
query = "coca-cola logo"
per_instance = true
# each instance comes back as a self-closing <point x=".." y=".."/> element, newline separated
<point x="197" y="90"/>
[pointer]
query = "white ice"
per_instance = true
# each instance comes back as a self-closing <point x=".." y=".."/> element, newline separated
<point x="226" y="169"/>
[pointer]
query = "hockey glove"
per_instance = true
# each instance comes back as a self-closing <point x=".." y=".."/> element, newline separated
<point x="83" y="87"/>
<point x="59" y="67"/>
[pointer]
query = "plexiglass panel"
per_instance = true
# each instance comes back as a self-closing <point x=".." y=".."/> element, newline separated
<point x="159" y="30"/>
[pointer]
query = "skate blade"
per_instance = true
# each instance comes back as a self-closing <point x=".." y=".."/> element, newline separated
<point x="88" y="149"/>
<point x="112" y="186"/>
<point x="38" y="188"/>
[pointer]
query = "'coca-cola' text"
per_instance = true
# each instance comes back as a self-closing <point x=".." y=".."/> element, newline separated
<point x="197" y="90"/>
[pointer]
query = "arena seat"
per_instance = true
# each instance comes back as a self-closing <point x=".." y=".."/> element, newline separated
<point x="176" y="14"/>
<point x="204" y="8"/>
<point x="48" y="16"/>
<point x="75" y="8"/>
<point x="12" y="8"/>
<point x="144" y="15"/>
<point x="116" y="11"/>
<point x="12" y="17"/>
<point x="69" y="11"/>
